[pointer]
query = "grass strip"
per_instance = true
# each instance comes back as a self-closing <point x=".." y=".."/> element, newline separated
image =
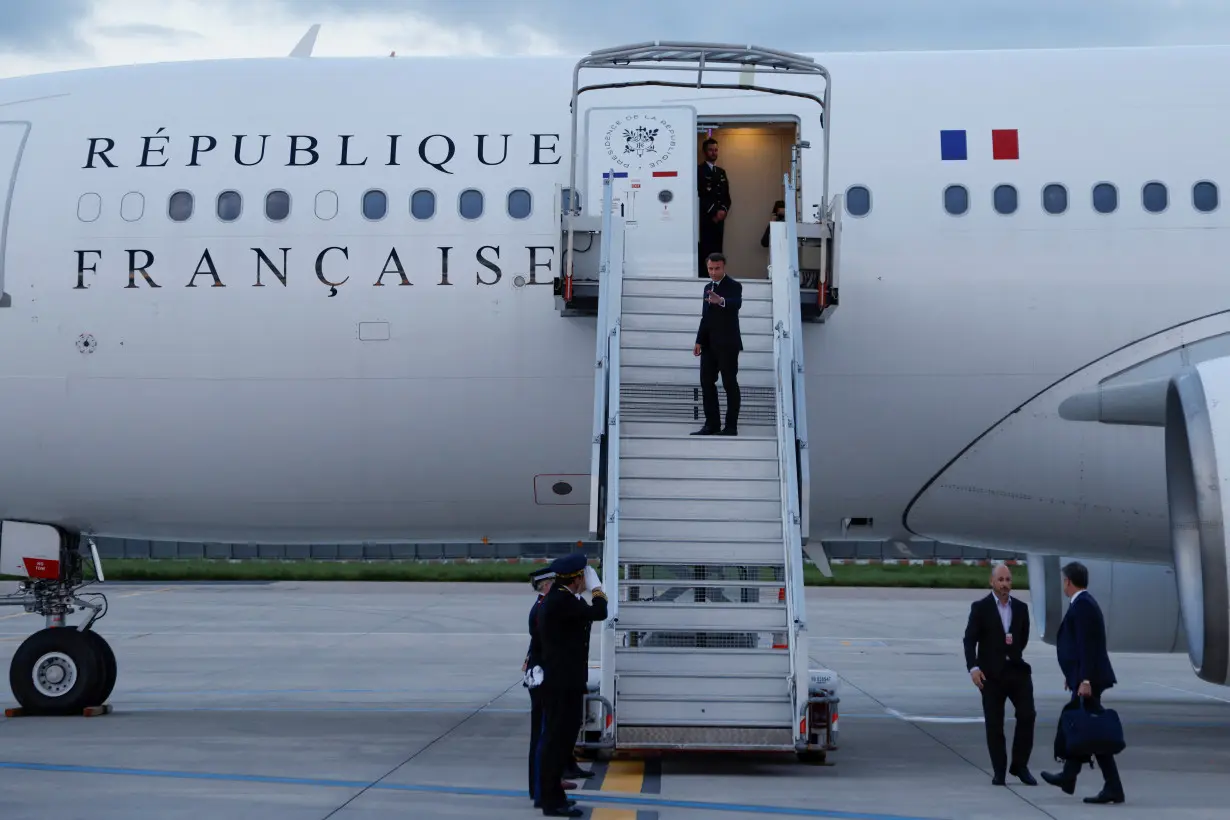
<point x="957" y="576"/>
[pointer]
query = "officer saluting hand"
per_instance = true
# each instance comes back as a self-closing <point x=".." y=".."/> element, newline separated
<point x="564" y="621"/>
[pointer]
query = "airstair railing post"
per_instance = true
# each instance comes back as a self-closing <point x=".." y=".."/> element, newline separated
<point x="795" y="314"/>
<point x="614" y="234"/>
<point x="599" y="501"/>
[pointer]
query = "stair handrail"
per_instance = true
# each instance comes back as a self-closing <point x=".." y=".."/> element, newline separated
<point x="785" y="292"/>
<point x="602" y="341"/>
<point x="796" y="322"/>
<point x="610" y="321"/>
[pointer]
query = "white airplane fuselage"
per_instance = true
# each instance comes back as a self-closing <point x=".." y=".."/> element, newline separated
<point x="443" y="406"/>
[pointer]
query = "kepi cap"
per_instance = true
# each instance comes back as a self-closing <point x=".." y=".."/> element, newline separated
<point x="541" y="574"/>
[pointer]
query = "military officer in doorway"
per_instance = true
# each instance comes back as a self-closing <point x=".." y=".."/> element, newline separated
<point x="713" y="193"/>
<point x="564" y="621"/>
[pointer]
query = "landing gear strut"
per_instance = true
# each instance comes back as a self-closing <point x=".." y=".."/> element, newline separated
<point x="61" y="669"/>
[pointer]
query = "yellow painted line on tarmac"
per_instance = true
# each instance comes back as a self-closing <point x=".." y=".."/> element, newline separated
<point x="627" y="776"/>
<point x="14" y="615"/>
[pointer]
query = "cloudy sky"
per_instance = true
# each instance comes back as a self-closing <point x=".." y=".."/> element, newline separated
<point x="43" y="35"/>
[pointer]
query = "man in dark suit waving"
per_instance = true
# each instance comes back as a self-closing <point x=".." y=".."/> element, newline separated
<point x="995" y="640"/>
<point x="1087" y="673"/>
<point x="718" y="344"/>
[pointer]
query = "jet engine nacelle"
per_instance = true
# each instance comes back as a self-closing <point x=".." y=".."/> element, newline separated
<point x="1198" y="487"/>
<point x="1140" y="603"/>
<point x="1193" y="405"/>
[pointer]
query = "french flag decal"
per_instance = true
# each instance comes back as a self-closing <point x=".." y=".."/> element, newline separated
<point x="1005" y="144"/>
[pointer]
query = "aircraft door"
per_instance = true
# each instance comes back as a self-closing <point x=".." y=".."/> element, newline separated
<point x="650" y="150"/>
<point x="12" y="143"/>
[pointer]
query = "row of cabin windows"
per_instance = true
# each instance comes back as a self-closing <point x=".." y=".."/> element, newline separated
<point x="374" y="205"/>
<point x="1154" y="198"/>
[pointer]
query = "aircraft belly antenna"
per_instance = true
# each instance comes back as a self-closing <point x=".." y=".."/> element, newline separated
<point x="305" y="46"/>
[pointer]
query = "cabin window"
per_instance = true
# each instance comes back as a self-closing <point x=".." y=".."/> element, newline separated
<point x="956" y="199"/>
<point x="230" y="205"/>
<point x="277" y="205"/>
<point x="1054" y="199"/>
<point x="326" y="205"/>
<point x="1005" y="199"/>
<point x="132" y="206"/>
<point x="520" y="203"/>
<point x="1204" y="197"/>
<point x="1105" y="198"/>
<point x="858" y="201"/>
<point x="566" y="200"/>
<point x="89" y="207"/>
<point x="180" y="206"/>
<point x="1155" y="197"/>
<point x="423" y="204"/>
<point x="470" y="204"/>
<point x="375" y="204"/>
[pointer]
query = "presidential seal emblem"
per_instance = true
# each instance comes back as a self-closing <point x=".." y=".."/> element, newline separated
<point x="636" y="142"/>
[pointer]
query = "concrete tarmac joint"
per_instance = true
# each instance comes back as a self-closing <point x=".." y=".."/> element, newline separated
<point x="365" y="700"/>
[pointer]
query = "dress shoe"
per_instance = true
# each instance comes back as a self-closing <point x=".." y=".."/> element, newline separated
<point x="706" y="431"/>
<point x="568" y="804"/>
<point x="1059" y="780"/>
<point x="567" y="785"/>
<point x="1106" y="797"/>
<point x="568" y="811"/>
<point x="997" y="780"/>
<point x="1022" y="772"/>
<point x="729" y="431"/>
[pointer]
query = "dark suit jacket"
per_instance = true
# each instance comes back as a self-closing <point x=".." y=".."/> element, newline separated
<point x="563" y="627"/>
<point x="533" y="656"/>
<point x="713" y="190"/>
<point x="984" y="638"/>
<point x="719" y="326"/>
<point x="1081" y="646"/>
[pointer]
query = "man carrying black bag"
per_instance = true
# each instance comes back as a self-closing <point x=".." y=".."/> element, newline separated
<point x="1081" y="647"/>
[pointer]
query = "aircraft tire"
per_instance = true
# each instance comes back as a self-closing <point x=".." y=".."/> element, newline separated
<point x="55" y="671"/>
<point x="108" y="669"/>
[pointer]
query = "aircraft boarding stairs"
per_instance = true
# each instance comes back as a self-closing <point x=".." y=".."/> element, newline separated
<point x="706" y="645"/>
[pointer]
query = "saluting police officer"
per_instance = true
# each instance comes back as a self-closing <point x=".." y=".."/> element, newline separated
<point x="540" y="579"/>
<point x="713" y="193"/>
<point x="564" y="621"/>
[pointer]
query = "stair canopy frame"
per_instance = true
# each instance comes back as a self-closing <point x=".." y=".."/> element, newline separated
<point x="699" y="57"/>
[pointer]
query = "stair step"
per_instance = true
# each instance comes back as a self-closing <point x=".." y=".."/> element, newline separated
<point x="700" y="509"/>
<point x="698" y="530"/>
<point x="648" y="284"/>
<point x="691" y="305"/>
<point x="736" y="689"/>
<point x="634" y="467"/>
<point x="685" y="339"/>
<point x="675" y="322"/>
<point x="634" y="424"/>
<point x="683" y="357"/>
<point x="703" y="616"/>
<point x="689" y="374"/>
<point x="698" y="663"/>
<point x="763" y="489"/>
<point x="707" y="713"/>
<point x="694" y="553"/>
<point x="682" y="447"/>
